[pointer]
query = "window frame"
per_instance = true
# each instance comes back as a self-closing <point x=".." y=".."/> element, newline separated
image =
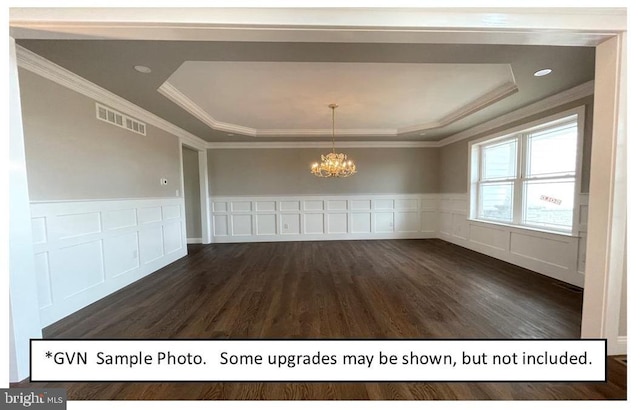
<point x="521" y="135"/>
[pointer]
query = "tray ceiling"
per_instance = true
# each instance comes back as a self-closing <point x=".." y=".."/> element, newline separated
<point x="277" y="91"/>
<point x="375" y="99"/>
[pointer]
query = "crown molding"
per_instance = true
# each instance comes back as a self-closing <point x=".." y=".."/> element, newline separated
<point x="492" y="96"/>
<point x="51" y="71"/>
<point x="556" y="100"/>
<point x="530" y="26"/>
<point x="322" y="144"/>
<point x="350" y="132"/>
<point x="47" y="69"/>
<point x="178" y="98"/>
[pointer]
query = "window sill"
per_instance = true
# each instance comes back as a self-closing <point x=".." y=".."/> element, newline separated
<point x="525" y="228"/>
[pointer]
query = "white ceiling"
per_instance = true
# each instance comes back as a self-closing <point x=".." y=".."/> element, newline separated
<point x="291" y="98"/>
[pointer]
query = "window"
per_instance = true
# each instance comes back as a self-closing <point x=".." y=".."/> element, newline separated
<point x="528" y="177"/>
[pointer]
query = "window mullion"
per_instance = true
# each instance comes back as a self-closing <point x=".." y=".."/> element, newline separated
<point x="480" y="177"/>
<point x="520" y="173"/>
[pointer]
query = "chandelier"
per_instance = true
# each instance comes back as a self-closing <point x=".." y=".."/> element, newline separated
<point x="332" y="164"/>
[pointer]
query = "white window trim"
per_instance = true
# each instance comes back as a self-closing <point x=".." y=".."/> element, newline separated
<point x="474" y="167"/>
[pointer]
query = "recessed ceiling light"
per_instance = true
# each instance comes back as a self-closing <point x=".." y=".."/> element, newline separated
<point x="543" y="72"/>
<point x="142" y="69"/>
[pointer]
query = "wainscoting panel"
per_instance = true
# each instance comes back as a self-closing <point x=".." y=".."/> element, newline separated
<point x="122" y="218"/>
<point x="290" y="224"/>
<point x="302" y="218"/>
<point x="266" y="224"/>
<point x="221" y="226"/>
<point x="313" y="223"/>
<point x="41" y="261"/>
<point x="85" y="250"/>
<point x="118" y="257"/>
<point x="151" y="244"/>
<point x="556" y="255"/>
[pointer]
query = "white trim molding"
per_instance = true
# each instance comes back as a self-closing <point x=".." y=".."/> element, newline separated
<point x="556" y="100"/>
<point x="47" y="69"/>
<point x="565" y="97"/>
<point x="86" y="250"/>
<point x="559" y="256"/>
<point x="618" y="347"/>
<point x="322" y="144"/>
<point x="51" y="71"/>
<point x="490" y="97"/>
<point x="313" y="218"/>
<point x="397" y="216"/>
<point x="530" y="26"/>
<point x="187" y="104"/>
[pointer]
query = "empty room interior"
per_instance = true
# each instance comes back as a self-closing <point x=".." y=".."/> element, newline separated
<point x="305" y="174"/>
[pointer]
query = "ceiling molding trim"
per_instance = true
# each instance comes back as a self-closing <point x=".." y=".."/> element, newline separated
<point x="180" y="99"/>
<point x="556" y="100"/>
<point x="184" y="102"/>
<point x="354" y="132"/>
<point x="322" y="144"/>
<point x="484" y="101"/>
<point x="564" y="26"/>
<point x="51" y="71"/>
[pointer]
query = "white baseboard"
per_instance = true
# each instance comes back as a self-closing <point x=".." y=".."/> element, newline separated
<point x="86" y="250"/>
<point x="191" y="241"/>
<point x="617" y="347"/>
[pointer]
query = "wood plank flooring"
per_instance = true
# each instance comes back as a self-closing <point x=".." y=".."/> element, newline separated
<point x="346" y="289"/>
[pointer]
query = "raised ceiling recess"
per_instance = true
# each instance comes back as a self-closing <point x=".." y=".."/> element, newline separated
<point x="288" y="99"/>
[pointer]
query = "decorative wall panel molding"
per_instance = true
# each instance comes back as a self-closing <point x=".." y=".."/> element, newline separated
<point x="444" y="216"/>
<point x="85" y="250"/>
<point x="556" y="255"/>
<point x="306" y="218"/>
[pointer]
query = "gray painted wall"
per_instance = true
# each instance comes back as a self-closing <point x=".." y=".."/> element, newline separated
<point x="191" y="192"/>
<point x="286" y="172"/>
<point x="454" y="157"/>
<point x="73" y="155"/>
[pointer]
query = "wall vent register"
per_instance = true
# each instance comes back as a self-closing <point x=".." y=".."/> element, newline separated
<point x="111" y="116"/>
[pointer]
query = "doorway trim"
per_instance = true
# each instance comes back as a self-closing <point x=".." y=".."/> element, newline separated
<point x="205" y="215"/>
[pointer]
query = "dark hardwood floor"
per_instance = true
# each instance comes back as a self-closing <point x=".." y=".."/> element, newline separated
<point x="351" y="289"/>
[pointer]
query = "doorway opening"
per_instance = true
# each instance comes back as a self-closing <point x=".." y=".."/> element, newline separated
<point x="192" y="199"/>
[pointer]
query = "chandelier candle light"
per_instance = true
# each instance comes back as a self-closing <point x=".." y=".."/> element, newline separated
<point x="334" y="165"/>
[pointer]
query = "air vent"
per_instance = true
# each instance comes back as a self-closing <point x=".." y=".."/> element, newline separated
<point x="117" y="118"/>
